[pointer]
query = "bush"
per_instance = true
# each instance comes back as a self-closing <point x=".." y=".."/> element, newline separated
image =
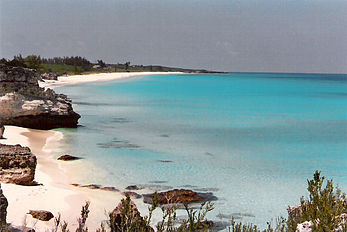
<point x="323" y="207"/>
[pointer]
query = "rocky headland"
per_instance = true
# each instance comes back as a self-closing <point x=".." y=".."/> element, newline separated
<point x="23" y="103"/>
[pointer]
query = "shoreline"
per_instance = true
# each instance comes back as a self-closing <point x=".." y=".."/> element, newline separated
<point x="56" y="194"/>
<point x="100" y="77"/>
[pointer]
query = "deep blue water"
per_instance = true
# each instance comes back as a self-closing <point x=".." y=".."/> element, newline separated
<point x="251" y="139"/>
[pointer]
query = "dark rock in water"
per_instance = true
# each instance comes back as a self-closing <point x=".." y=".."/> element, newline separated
<point x="24" y="103"/>
<point x="2" y="130"/>
<point x="157" y="187"/>
<point x="165" y="161"/>
<point x="179" y="196"/>
<point x="95" y="186"/>
<point x="158" y="181"/>
<point x="116" y="143"/>
<point x="91" y="186"/>
<point x="132" y="194"/>
<point x="17" y="165"/>
<point x="206" y="189"/>
<point x="3" y="210"/>
<point x="120" y="120"/>
<point x="209" y="154"/>
<point x="133" y="187"/>
<point x="242" y="215"/>
<point x="111" y="189"/>
<point x="42" y="215"/>
<point x="50" y="76"/>
<point x="68" y="158"/>
<point x="117" y="216"/>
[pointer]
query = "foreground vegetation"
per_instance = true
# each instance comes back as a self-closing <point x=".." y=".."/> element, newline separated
<point x="323" y="208"/>
<point x="80" y="65"/>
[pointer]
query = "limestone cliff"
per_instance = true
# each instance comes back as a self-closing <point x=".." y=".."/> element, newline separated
<point x="17" y="164"/>
<point x="24" y="103"/>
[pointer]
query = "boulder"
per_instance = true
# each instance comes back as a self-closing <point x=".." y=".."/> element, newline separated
<point x="179" y="196"/>
<point x="68" y="158"/>
<point x="42" y="215"/>
<point x="24" y="103"/>
<point x="17" y="164"/>
<point x="133" y="187"/>
<point x="304" y="227"/>
<point x="3" y="210"/>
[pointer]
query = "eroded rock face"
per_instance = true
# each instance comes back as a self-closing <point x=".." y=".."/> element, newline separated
<point x="2" y="130"/>
<point x="3" y="210"/>
<point x="17" y="165"/>
<point x="50" y="76"/>
<point x="24" y="103"/>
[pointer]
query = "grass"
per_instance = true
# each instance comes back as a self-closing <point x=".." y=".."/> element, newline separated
<point x="60" y="69"/>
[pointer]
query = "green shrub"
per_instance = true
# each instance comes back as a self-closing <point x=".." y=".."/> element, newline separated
<point x="323" y="207"/>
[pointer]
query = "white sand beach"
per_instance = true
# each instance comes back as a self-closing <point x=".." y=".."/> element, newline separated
<point x="79" y="79"/>
<point x="56" y="194"/>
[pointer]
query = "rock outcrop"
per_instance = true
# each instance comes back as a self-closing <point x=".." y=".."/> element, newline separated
<point x="17" y="165"/>
<point x="24" y="103"/>
<point x="42" y="215"/>
<point x="3" y="210"/>
<point x="179" y="196"/>
<point x="2" y="130"/>
<point x="50" y="76"/>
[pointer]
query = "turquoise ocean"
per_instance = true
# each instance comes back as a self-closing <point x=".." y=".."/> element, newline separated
<point x="252" y="139"/>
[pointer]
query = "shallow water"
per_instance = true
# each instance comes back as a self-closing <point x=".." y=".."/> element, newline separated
<point x="251" y="139"/>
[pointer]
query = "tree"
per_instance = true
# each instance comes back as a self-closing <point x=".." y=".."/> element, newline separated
<point x="101" y="63"/>
<point x="17" y="61"/>
<point x="33" y="61"/>
<point x="127" y="64"/>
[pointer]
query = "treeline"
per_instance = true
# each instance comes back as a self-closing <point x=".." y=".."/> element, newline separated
<point x="34" y="61"/>
<point x="78" y="65"/>
<point x="72" y="60"/>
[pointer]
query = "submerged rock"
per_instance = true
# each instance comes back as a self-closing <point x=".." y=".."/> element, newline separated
<point x="24" y="103"/>
<point x="3" y="210"/>
<point x="133" y="187"/>
<point x="68" y="158"/>
<point x="95" y="186"/>
<point x="17" y="165"/>
<point x="42" y="215"/>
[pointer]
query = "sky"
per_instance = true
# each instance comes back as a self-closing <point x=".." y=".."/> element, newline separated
<point x="303" y="36"/>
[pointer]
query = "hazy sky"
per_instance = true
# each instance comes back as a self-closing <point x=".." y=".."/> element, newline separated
<point x="228" y="35"/>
